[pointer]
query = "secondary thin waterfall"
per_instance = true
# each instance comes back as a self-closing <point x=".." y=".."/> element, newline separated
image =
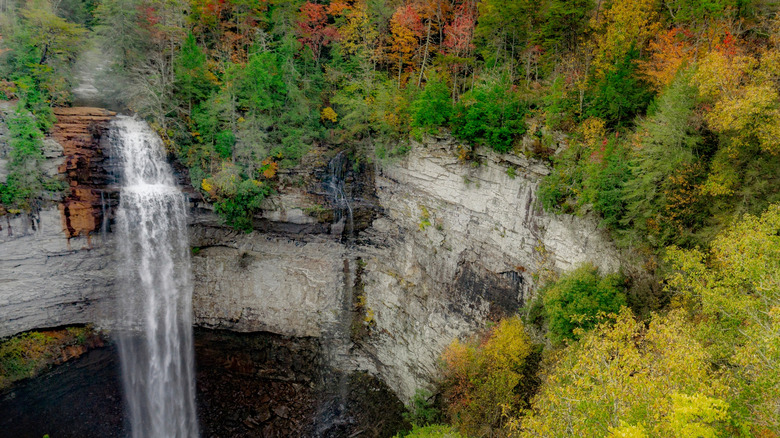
<point x="155" y="303"/>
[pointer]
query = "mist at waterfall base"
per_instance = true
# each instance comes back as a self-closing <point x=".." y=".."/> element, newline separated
<point x="154" y="312"/>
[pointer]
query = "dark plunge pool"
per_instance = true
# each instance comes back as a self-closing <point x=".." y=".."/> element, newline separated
<point x="248" y="385"/>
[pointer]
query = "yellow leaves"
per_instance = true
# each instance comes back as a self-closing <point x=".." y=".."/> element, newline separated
<point x="627" y="431"/>
<point x="723" y="176"/>
<point x="624" y="24"/>
<point x="207" y="186"/>
<point x="508" y="345"/>
<point x="480" y="377"/>
<point x="357" y="33"/>
<point x="739" y="290"/>
<point x="746" y="102"/>
<point x="594" y="131"/>
<point x="692" y="416"/>
<point x="618" y="380"/>
<point x="329" y="114"/>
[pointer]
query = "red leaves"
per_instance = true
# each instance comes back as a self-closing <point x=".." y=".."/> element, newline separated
<point x="459" y="34"/>
<point x="313" y="29"/>
<point x="406" y="17"/>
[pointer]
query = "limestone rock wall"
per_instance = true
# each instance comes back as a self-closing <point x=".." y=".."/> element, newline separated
<point x="455" y="245"/>
<point x="55" y="267"/>
<point x="48" y="280"/>
<point x="261" y="282"/>
<point x="459" y="245"/>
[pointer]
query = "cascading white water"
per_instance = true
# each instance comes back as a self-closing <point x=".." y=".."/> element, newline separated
<point x="155" y="303"/>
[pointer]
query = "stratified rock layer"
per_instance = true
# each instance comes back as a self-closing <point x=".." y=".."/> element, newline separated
<point x="52" y="271"/>
<point x="455" y="247"/>
<point x="442" y="247"/>
<point x="79" y="131"/>
<point x="48" y="279"/>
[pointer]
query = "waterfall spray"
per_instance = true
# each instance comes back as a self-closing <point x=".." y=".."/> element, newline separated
<point x="155" y="298"/>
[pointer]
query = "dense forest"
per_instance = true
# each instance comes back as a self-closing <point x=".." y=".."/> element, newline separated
<point x="670" y="110"/>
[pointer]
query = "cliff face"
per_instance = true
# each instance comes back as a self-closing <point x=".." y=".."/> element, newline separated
<point x="439" y="248"/>
<point x="457" y="246"/>
<point x="52" y="271"/>
<point x="454" y="246"/>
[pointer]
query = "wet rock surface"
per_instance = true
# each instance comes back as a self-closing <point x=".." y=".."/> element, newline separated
<point x="248" y="385"/>
<point x="79" y="131"/>
<point x="81" y="398"/>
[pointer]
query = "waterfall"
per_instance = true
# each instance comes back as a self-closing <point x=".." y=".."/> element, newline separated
<point x="155" y="310"/>
<point x="337" y="172"/>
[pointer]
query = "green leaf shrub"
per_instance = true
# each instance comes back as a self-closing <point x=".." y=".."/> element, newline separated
<point x="579" y="300"/>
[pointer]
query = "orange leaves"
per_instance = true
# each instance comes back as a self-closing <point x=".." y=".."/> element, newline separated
<point x="337" y="7"/>
<point x="313" y="29"/>
<point x="407" y="29"/>
<point x="269" y="168"/>
<point x="669" y="52"/>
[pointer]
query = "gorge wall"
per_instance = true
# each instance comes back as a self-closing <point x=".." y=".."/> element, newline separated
<point x="450" y="246"/>
<point x="55" y="266"/>
<point x="441" y="247"/>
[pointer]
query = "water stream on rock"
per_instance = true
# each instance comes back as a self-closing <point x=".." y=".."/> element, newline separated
<point x="155" y="311"/>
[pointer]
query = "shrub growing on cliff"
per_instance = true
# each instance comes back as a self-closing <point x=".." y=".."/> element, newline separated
<point x="26" y="182"/>
<point x="27" y="354"/>
<point x="579" y="299"/>
<point x="486" y="378"/>
<point x="432" y="107"/>
<point x="491" y="114"/>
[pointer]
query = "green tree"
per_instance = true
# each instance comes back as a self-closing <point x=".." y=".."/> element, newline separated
<point x="563" y="23"/>
<point x="503" y="28"/>
<point x="664" y="146"/>
<point x="26" y="181"/>
<point x="432" y="107"/>
<point x="54" y="37"/>
<point x="618" y="96"/>
<point x="259" y="85"/>
<point x="193" y="79"/>
<point x="491" y="114"/>
<point x="578" y="301"/>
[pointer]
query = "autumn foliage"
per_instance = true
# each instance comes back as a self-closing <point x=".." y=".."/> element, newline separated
<point x="484" y="378"/>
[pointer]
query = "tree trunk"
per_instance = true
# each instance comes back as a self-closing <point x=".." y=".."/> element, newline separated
<point x="425" y="56"/>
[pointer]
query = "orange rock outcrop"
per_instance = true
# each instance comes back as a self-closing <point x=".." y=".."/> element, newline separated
<point x="78" y="130"/>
